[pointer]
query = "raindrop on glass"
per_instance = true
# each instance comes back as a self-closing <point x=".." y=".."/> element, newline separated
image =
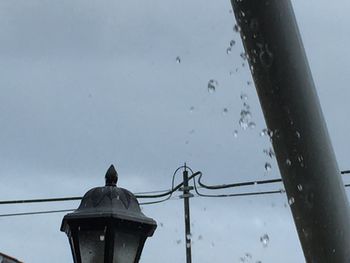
<point x="178" y="241"/>
<point x="232" y="43"/>
<point x="265" y="239"/>
<point x="268" y="167"/>
<point x="269" y="152"/>
<point x="297" y="134"/>
<point x="188" y="245"/>
<point x="243" y="123"/>
<point x="178" y="60"/>
<point x="200" y="237"/>
<point x="248" y="255"/>
<point x="191" y="109"/>
<point x="246" y="106"/>
<point x="288" y="162"/>
<point x="243" y="56"/>
<point x="228" y="50"/>
<point x="189" y="236"/>
<point x="251" y="125"/>
<point x="264" y="132"/>
<point x="236" y="28"/>
<point x="301" y="160"/>
<point x="224" y="111"/>
<point x="244" y="97"/>
<point x="212" y="85"/>
<point x="235" y="134"/>
<point x="291" y="201"/>
<point x="300" y="187"/>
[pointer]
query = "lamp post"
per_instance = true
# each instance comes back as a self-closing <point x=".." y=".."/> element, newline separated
<point x="108" y="226"/>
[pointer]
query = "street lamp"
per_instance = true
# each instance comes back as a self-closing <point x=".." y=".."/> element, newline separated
<point x="108" y="226"/>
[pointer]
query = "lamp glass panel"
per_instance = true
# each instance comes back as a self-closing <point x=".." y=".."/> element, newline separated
<point x="125" y="247"/>
<point x="92" y="246"/>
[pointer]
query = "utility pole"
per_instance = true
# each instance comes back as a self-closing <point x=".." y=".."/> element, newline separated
<point x="298" y="130"/>
<point x="186" y="196"/>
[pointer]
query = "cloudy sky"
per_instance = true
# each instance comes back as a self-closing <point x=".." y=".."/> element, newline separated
<point x="88" y="83"/>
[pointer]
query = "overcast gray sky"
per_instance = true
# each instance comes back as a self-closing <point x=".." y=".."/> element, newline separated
<point x="88" y="83"/>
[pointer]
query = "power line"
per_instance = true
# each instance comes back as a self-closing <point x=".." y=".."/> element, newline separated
<point x="168" y="193"/>
<point x="148" y="203"/>
<point x="37" y="213"/>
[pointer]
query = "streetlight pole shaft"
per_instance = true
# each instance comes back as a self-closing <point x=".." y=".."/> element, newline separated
<point x="186" y="197"/>
<point x="299" y="134"/>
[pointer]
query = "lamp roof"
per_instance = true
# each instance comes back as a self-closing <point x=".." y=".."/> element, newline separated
<point x="110" y="201"/>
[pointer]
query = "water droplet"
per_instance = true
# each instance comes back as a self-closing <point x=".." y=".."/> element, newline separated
<point x="200" y="237"/>
<point x="243" y="124"/>
<point x="245" y="119"/>
<point x="188" y="236"/>
<point x="297" y="134"/>
<point x="188" y="245"/>
<point x="243" y="56"/>
<point x="161" y="224"/>
<point x="232" y="43"/>
<point x="178" y="241"/>
<point x="228" y="50"/>
<point x="288" y="162"/>
<point x="300" y="187"/>
<point x="244" y="97"/>
<point x="212" y="85"/>
<point x="249" y="83"/>
<point x="265" y="55"/>
<point x="246" y="106"/>
<point x="265" y="239"/>
<point x="269" y="152"/>
<point x="282" y="191"/>
<point x="178" y="60"/>
<point x="291" y="201"/>
<point x="268" y="167"/>
<point x="301" y="160"/>
<point x="236" y="28"/>
<point x="246" y="114"/>
<point x="102" y="237"/>
<point x="235" y="134"/>
<point x="251" y="125"/>
<point x="248" y="255"/>
<point x="224" y="111"/>
<point x="191" y="109"/>
<point x="264" y="132"/>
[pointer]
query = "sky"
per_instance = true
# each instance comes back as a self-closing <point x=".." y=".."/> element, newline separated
<point x="85" y="84"/>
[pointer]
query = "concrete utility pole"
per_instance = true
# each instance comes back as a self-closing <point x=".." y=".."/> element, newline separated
<point x="298" y="130"/>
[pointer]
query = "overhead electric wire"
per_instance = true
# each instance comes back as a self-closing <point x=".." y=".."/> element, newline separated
<point x="168" y="193"/>
<point x="37" y="213"/>
<point x="147" y="203"/>
<point x="24" y="201"/>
